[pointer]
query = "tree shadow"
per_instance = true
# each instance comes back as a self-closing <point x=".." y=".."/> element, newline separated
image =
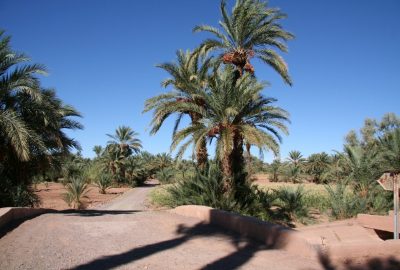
<point x="96" y="213"/>
<point x="387" y="263"/>
<point x="13" y="224"/>
<point x="245" y="249"/>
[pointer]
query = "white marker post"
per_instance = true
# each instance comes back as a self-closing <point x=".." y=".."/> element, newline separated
<point x="389" y="181"/>
<point x="396" y="206"/>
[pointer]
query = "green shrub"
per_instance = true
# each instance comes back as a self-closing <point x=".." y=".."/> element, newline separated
<point x="76" y="191"/>
<point x="342" y="203"/>
<point x="165" y="175"/>
<point x="103" y="182"/>
<point x="317" y="200"/>
<point x="16" y="195"/>
<point x="292" y="203"/>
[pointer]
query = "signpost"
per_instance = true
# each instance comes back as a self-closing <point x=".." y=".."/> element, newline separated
<point x="389" y="181"/>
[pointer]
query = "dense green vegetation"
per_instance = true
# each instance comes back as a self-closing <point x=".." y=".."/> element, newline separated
<point x="32" y="124"/>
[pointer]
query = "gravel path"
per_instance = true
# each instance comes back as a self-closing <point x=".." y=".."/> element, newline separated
<point x="122" y="236"/>
<point x="134" y="199"/>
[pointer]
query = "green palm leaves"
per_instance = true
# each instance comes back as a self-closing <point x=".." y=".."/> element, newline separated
<point x="251" y="30"/>
<point x="126" y="139"/>
<point x="32" y="119"/>
<point x="189" y="78"/>
<point x="222" y="106"/>
<point x="236" y="112"/>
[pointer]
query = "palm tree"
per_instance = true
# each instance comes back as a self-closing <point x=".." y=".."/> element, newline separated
<point x="363" y="169"/>
<point x="113" y="161"/>
<point x="296" y="161"/>
<point x="125" y="137"/>
<point x="188" y="78"/>
<point x="16" y="79"/>
<point x="98" y="149"/>
<point x="32" y="121"/>
<point x="162" y="161"/>
<point x="251" y="30"/>
<point x="295" y="157"/>
<point x="236" y="114"/>
<point x="317" y="165"/>
<point x="390" y="145"/>
<point x="275" y="169"/>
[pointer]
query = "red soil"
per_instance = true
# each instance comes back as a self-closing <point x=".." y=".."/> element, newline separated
<point x="51" y="196"/>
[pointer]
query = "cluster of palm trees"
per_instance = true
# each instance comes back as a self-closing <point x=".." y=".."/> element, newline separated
<point x="215" y="86"/>
<point x="362" y="160"/>
<point x="116" y="156"/>
<point x="123" y="161"/>
<point x="32" y="123"/>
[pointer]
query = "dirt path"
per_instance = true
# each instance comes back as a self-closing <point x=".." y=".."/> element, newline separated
<point x="134" y="199"/>
<point x="134" y="240"/>
<point x="121" y="235"/>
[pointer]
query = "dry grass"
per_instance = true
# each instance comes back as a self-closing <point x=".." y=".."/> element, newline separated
<point x="262" y="181"/>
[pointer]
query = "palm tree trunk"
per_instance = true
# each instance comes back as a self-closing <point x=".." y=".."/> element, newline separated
<point x="237" y="154"/>
<point x="201" y="155"/>
<point x="227" y="171"/>
<point x="201" y="151"/>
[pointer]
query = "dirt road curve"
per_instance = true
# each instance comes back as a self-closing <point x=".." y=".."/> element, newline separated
<point x="115" y="238"/>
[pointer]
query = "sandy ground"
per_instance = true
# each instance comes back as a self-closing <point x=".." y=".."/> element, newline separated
<point x="123" y="234"/>
<point x="134" y="240"/>
<point x="51" y="196"/>
<point x="120" y="234"/>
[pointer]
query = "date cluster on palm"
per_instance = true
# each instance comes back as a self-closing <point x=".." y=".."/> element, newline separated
<point x="240" y="58"/>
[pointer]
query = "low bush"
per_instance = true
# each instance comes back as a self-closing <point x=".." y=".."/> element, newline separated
<point x="207" y="189"/>
<point x="76" y="191"/>
<point x="165" y="175"/>
<point x="343" y="204"/>
<point x="292" y="203"/>
<point x="103" y="182"/>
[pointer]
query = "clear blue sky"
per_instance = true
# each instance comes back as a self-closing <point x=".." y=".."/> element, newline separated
<point x="102" y="55"/>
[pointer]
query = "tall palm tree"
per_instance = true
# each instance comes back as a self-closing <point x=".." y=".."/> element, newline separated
<point x="127" y="140"/>
<point x="122" y="144"/>
<point x="316" y="165"/>
<point x="32" y="122"/>
<point x="162" y="161"/>
<point x="98" y="149"/>
<point x="236" y="114"/>
<point x="295" y="157"/>
<point x="17" y="78"/>
<point x="188" y="78"/>
<point x="252" y="29"/>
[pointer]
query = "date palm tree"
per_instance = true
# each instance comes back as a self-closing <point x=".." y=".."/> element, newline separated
<point x="390" y="145"/>
<point x="127" y="140"/>
<point x="295" y="157"/>
<point x="252" y="29"/>
<point x="317" y="165"/>
<point x="98" y="150"/>
<point x="17" y="78"/>
<point x="32" y="122"/>
<point x="188" y="78"/>
<point x="122" y="144"/>
<point x="236" y="113"/>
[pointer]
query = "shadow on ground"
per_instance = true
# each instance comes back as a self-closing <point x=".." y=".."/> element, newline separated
<point x="245" y="249"/>
<point x="12" y="225"/>
<point x="96" y="213"/>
